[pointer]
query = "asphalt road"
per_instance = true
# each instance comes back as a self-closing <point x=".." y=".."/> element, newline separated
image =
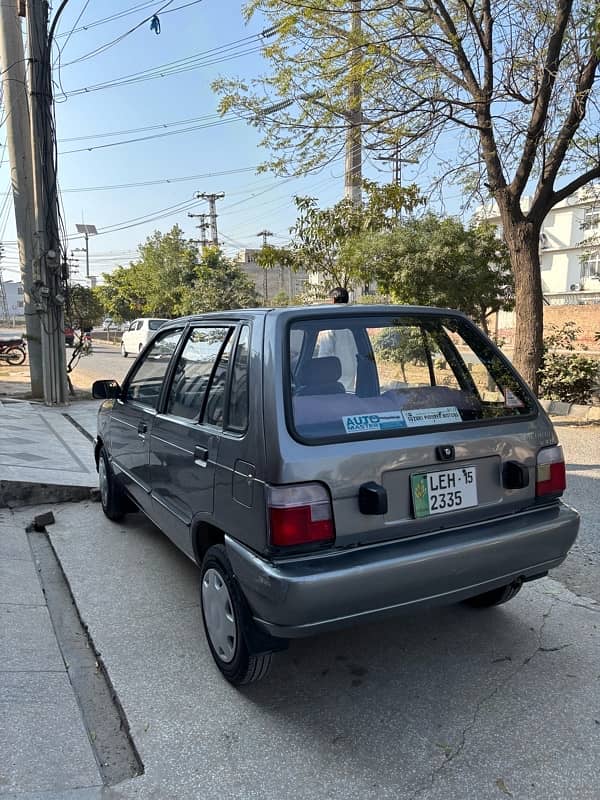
<point x="105" y="361"/>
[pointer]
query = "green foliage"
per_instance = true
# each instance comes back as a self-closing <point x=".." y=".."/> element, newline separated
<point x="436" y="261"/>
<point x="157" y="283"/>
<point x="400" y="345"/>
<point x="219" y="284"/>
<point x="321" y="235"/>
<point x="568" y="376"/>
<point x="84" y="307"/>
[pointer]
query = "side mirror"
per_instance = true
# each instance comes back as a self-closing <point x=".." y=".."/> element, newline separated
<point x="105" y="390"/>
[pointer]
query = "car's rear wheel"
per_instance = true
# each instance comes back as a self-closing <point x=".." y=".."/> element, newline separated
<point x="112" y="497"/>
<point x="496" y="597"/>
<point x="223" y="610"/>
<point x="124" y="352"/>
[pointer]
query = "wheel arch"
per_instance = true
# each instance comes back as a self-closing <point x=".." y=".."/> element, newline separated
<point x="205" y="535"/>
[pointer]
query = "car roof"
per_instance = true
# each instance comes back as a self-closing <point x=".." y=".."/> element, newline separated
<point x="328" y="309"/>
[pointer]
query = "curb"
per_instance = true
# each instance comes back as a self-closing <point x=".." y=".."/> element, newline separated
<point x="575" y="411"/>
<point x="16" y="494"/>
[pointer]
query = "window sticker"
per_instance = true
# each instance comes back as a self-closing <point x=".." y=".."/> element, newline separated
<point x="385" y="421"/>
<point x="417" y="417"/>
<point x="511" y="400"/>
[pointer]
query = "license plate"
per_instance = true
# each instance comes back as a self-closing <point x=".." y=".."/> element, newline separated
<point x="440" y="492"/>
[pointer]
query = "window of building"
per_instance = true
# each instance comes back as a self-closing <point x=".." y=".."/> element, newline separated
<point x="590" y="265"/>
<point x="591" y="217"/>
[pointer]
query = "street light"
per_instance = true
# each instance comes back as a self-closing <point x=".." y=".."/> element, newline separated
<point x="87" y="230"/>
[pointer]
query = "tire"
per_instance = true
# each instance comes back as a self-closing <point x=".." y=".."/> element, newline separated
<point x="124" y="352"/>
<point x="496" y="597"/>
<point x="223" y="610"/>
<point x="15" y="356"/>
<point x="114" y="503"/>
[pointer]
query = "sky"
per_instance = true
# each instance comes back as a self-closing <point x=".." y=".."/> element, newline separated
<point x="91" y="120"/>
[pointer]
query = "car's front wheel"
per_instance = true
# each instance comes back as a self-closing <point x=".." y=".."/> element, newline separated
<point x="496" y="597"/>
<point x="124" y="352"/>
<point x="114" y="502"/>
<point x="223" y="609"/>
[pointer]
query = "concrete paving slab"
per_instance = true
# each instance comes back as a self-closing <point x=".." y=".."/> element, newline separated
<point x="13" y="539"/>
<point x="27" y="640"/>
<point x="42" y="453"/>
<point x="445" y="703"/>
<point x="42" y="740"/>
<point x="20" y="583"/>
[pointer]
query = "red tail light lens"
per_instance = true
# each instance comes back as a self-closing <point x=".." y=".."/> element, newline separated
<point x="299" y="514"/>
<point x="551" y="476"/>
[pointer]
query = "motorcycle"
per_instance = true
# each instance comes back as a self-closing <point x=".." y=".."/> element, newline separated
<point x="12" y="350"/>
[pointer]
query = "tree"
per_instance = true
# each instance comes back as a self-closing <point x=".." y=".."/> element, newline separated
<point x="157" y="283"/>
<point x="437" y="261"/>
<point x="84" y="307"/>
<point x="507" y="89"/>
<point x="320" y="235"/>
<point x="219" y="284"/>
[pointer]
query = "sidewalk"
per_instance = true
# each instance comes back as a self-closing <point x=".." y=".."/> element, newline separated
<point x="44" y="745"/>
<point x="46" y="454"/>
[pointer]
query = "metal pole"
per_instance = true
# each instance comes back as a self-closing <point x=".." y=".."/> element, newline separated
<point x="87" y="256"/>
<point x="18" y="142"/>
<point x="46" y="206"/>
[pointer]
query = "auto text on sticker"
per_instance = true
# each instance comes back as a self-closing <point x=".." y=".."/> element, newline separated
<point x="386" y="420"/>
<point x="431" y="416"/>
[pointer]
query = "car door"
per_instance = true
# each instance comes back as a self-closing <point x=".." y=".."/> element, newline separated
<point x="185" y="436"/>
<point x="133" y="413"/>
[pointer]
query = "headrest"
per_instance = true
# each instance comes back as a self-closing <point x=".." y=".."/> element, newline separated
<point x="320" y="370"/>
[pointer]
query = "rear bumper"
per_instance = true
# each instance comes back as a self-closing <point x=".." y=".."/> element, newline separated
<point x="307" y="595"/>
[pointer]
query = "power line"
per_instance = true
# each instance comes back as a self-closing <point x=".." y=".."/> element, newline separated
<point x="159" y="181"/>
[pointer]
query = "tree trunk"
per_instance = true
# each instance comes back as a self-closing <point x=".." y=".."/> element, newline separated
<point x="522" y="239"/>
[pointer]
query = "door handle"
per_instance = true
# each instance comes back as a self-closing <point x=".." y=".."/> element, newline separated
<point x="142" y="429"/>
<point x="200" y="456"/>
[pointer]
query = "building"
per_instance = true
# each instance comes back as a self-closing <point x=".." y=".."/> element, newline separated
<point x="569" y="246"/>
<point x="14" y="302"/>
<point x="270" y="282"/>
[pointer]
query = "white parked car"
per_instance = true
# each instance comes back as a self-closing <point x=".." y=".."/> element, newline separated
<point x="140" y="332"/>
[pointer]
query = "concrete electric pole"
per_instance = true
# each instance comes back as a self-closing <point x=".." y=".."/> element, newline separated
<point x="47" y="236"/>
<point x="212" y="213"/>
<point x="264" y="233"/>
<point x="353" y="167"/>
<point x="18" y="142"/>
<point x="202" y="226"/>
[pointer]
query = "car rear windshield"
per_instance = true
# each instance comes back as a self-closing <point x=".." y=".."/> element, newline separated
<point x="363" y="377"/>
<point x="154" y="324"/>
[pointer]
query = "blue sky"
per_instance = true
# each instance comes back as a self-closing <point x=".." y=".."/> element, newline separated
<point x="252" y="202"/>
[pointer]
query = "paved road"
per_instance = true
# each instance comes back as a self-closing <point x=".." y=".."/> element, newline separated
<point x="581" y="444"/>
<point x="105" y="361"/>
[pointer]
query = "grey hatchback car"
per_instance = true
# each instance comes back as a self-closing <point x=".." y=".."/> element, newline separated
<point x="326" y="465"/>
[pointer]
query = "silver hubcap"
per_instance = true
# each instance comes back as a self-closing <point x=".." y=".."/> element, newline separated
<point x="219" y="615"/>
<point x="103" y="481"/>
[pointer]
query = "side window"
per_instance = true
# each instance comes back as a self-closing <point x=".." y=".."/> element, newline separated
<point x="140" y="324"/>
<point x="193" y="371"/>
<point x="238" y="396"/>
<point x="145" y="384"/>
<point x="215" y="404"/>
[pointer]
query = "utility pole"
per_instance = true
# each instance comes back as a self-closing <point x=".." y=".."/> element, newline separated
<point x="47" y="238"/>
<point x="4" y="312"/>
<point x="202" y="226"/>
<point x="264" y="233"/>
<point x="18" y="142"/>
<point x="87" y="230"/>
<point x="212" y="213"/>
<point x="353" y="166"/>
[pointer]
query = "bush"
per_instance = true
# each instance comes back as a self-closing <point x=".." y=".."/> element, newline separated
<point x="568" y="376"/>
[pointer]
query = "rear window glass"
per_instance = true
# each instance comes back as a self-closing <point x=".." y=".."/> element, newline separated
<point x="154" y="324"/>
<point x="364" y="376"/>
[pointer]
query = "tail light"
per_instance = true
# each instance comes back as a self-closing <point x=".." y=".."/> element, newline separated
<point x="299" y="514"/>
<point x="550" y="474"/>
